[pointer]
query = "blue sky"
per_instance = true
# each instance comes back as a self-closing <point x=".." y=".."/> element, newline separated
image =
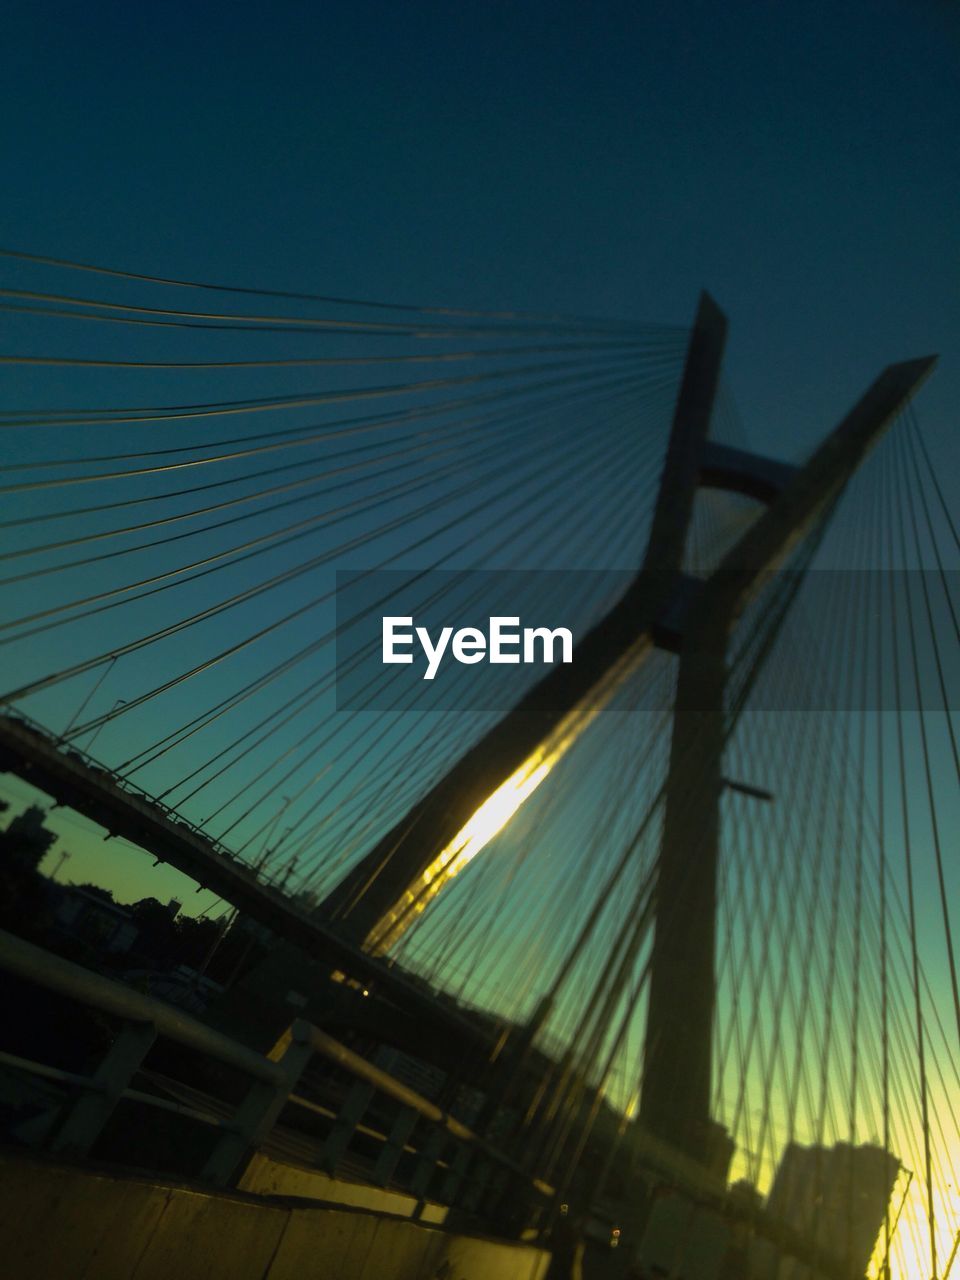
<point x="799" y="160"/>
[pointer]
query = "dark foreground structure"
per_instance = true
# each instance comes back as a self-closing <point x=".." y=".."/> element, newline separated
<point x="329" y="1112"/>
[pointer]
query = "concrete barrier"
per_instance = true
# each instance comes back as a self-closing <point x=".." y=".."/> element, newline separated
<point x="63" y="1222"/>
<point x="266" y="1177"/>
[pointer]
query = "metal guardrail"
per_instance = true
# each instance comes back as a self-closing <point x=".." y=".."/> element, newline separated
<point x="450" y="1157"/>
<point x="473" y="1167"/>
<point x="384" y="1083"/>
<point x="36" y="964"/>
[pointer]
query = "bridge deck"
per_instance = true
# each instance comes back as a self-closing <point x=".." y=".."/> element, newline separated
<point x="74" y="781"/>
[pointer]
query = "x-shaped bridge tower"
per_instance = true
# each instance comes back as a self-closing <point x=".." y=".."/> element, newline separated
<point x="662" y="608"/>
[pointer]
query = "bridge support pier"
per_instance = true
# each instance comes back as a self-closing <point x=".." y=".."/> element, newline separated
<point x="675" y="1102"/>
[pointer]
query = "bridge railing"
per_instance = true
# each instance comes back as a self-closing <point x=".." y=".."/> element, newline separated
<point x="450" y="1161"/>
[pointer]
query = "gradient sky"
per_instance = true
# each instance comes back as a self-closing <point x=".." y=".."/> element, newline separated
<point x="798" y="160"/>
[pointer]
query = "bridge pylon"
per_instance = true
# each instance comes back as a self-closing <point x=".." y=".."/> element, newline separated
<point x="663" y="607"/>
<point x="675" y="1099"/>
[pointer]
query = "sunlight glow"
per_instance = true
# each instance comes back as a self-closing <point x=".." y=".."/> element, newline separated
<point x="499" y="807"/>
<point x="910" y="1245"/>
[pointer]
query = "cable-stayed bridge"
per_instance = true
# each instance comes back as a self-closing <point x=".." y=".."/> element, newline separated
<point x="677" y="915"/>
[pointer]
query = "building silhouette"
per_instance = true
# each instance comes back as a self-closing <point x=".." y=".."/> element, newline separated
<point x="26" y="840"/>
<point x="835" y="1197"/>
